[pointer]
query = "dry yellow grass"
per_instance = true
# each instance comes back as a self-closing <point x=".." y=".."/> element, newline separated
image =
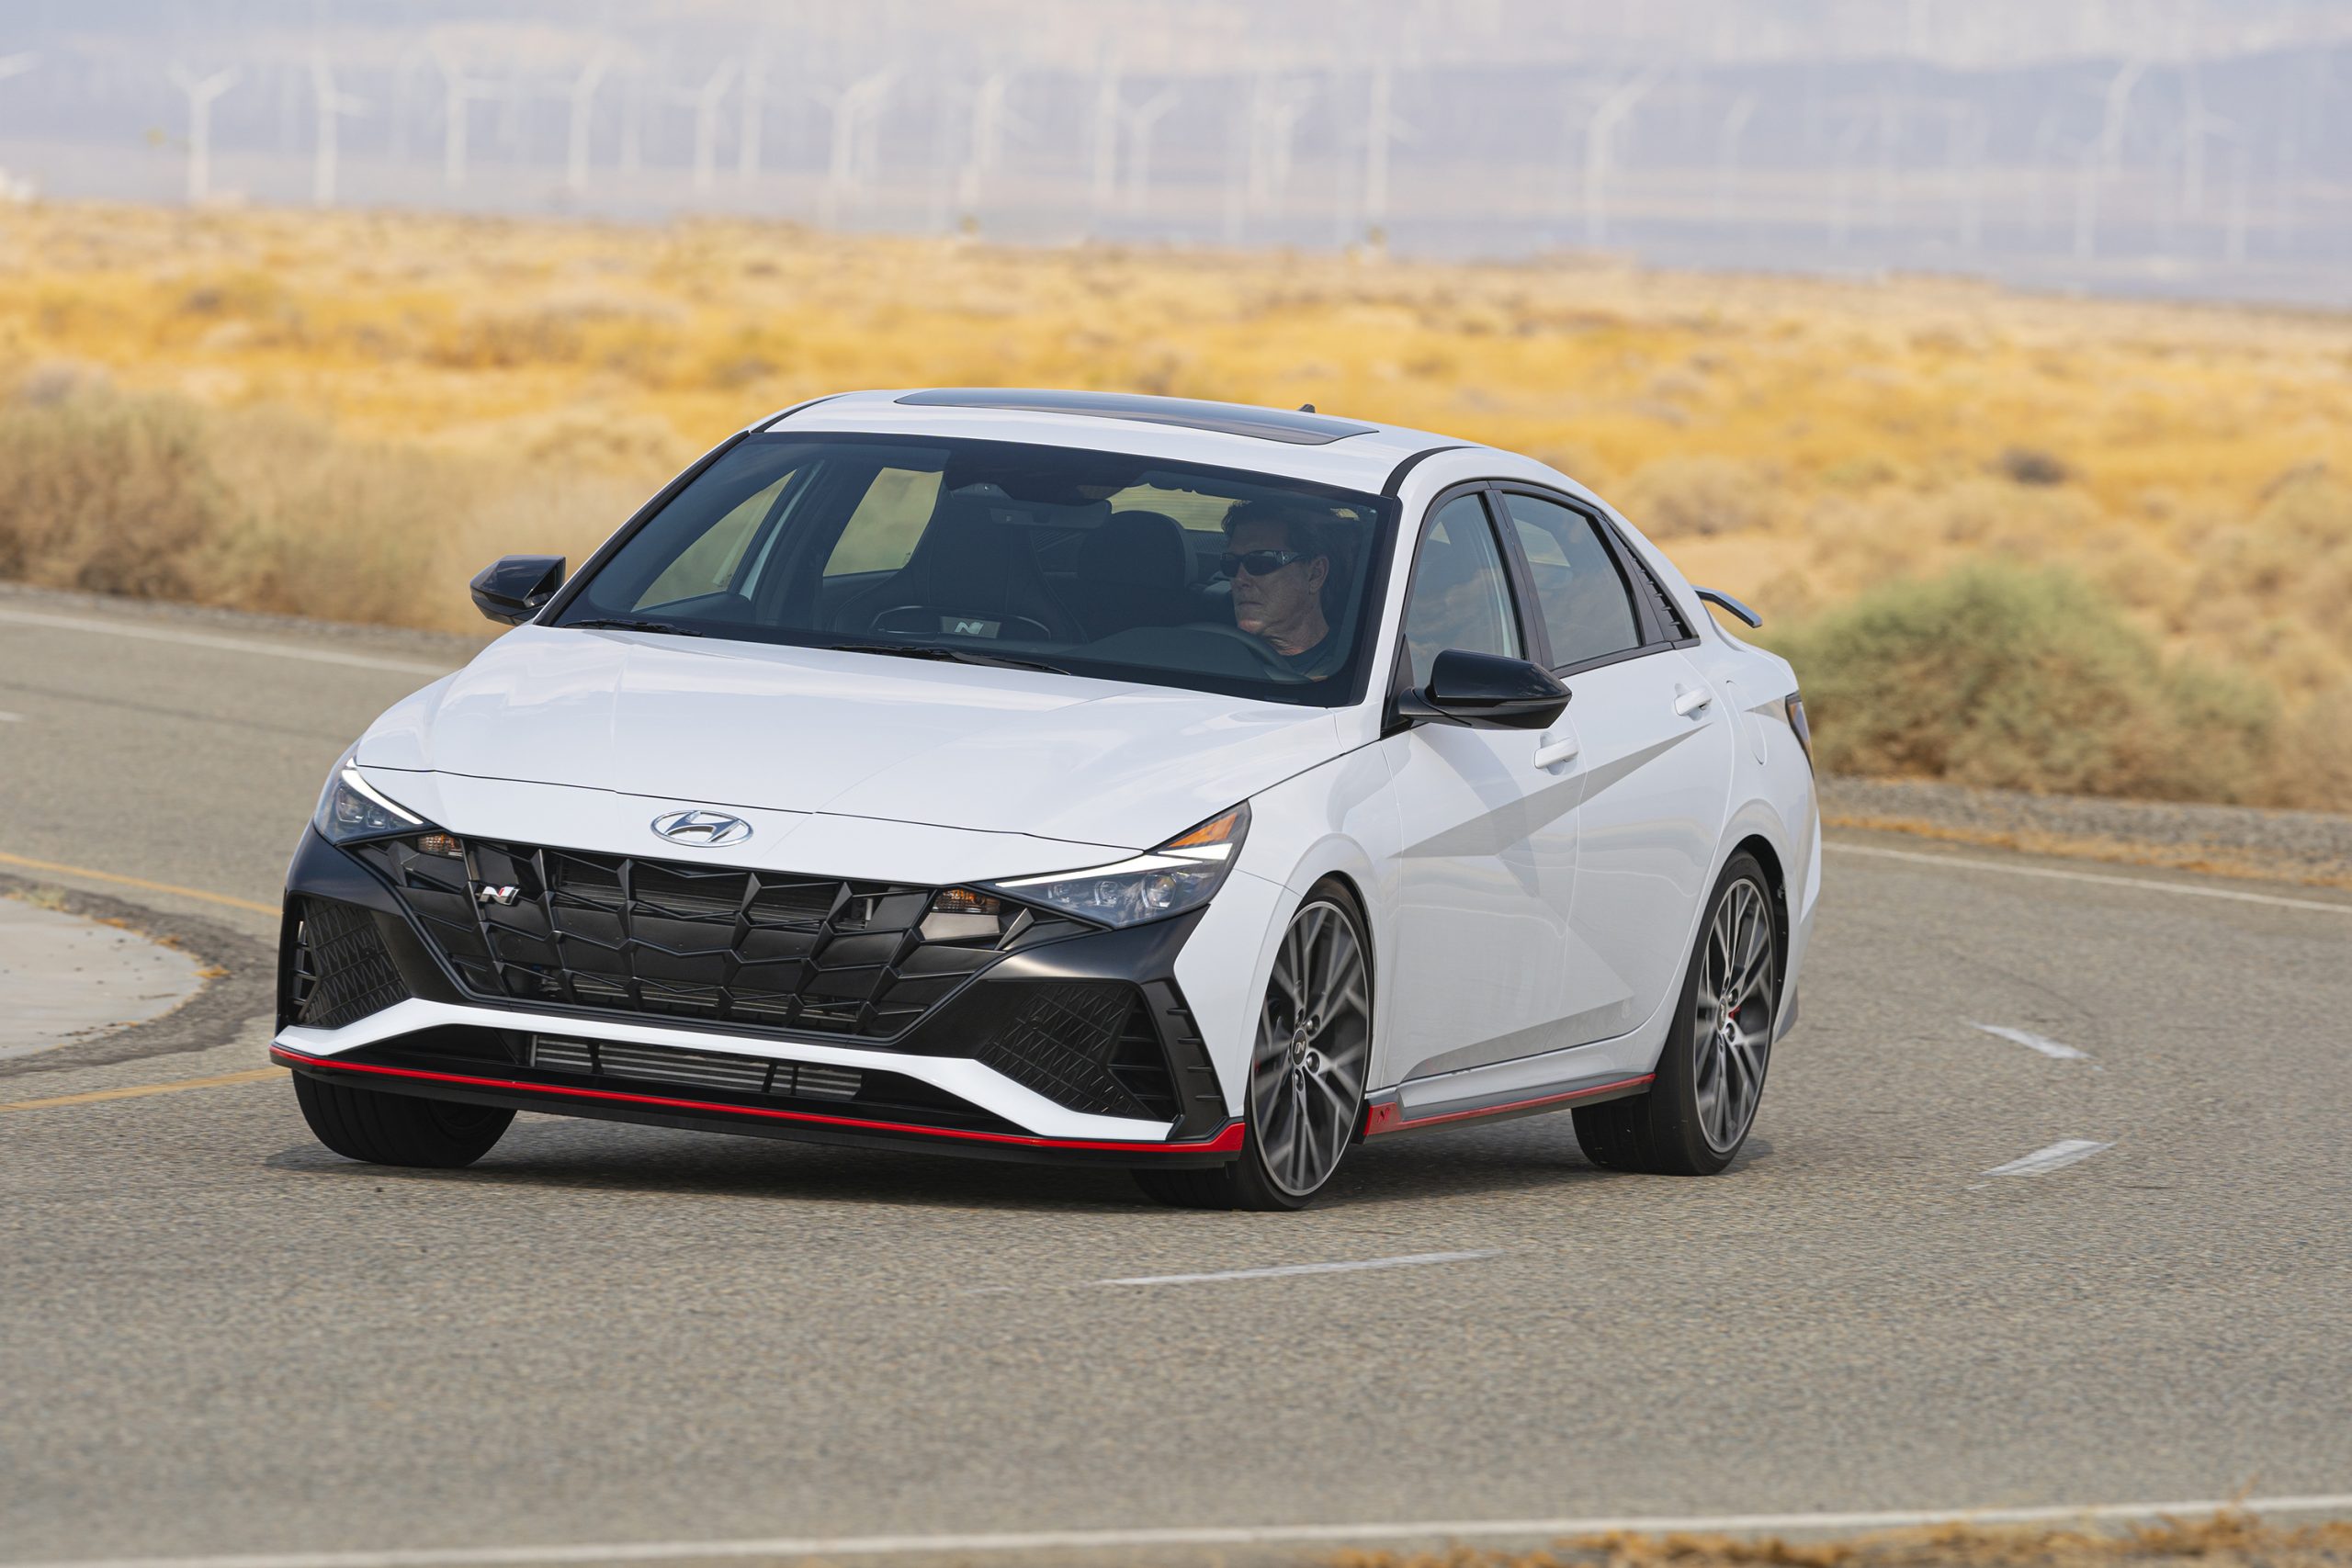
<point x="2227" y="1540"/>
<point x="459" y="387"/>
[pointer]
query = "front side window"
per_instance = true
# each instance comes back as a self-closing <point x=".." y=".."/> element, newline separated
<point x="1579" y="590"/>
<point x="1092" y="563"/>
<point x="1461" y="595"/>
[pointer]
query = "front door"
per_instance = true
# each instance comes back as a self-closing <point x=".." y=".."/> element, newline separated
<point x="1486" y="872"/>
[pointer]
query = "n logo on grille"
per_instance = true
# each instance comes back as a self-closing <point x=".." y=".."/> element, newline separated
<point x="486" y="894"/>
<point x="702" y="829"/>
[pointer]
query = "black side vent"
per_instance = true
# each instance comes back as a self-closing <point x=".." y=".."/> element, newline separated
<point x="340" y="972"/>
<point x="1670" y="618"/>
<point x="1087" y="1045"/>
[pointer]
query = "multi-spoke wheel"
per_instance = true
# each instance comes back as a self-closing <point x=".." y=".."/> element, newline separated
<point x="1307" y="1073"/>
<point x="1710" y="1075"/>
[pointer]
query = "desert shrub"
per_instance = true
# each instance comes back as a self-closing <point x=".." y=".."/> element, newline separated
<point x="2028" y="680"/>
<point x="1676" y="497"/>
<point x="2313" y="767"/>
<point x="105" y="492"/>
<point x="2032" y="465"/>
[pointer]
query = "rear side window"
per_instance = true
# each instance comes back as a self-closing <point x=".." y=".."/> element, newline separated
<point x="1580" y="592"/>
<point x="1461" y="595"/>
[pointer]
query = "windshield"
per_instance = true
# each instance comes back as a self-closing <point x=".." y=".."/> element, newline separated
<point x="1091" y="563"/>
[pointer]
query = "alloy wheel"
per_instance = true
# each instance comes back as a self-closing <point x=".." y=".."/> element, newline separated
<point x="1314" y="1042"/>
<point x="1731" y="1025"/>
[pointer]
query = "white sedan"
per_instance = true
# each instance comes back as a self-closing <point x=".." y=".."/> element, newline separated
<point x="1185" y="786"/>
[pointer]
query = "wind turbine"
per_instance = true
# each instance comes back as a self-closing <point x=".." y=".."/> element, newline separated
<point x="2105" y="154"/>
<point x="705" y="100"/>
<point x="1274" y="111"/>
<point x="1103" y="138"/>
<point x="332" y="106"/>
<point x="1599" y="136"/>
<point x="582" y="93"/>
<point x="984" y="148"/>
<point x="1141" y="121"/>
<point x="201" y="93"/>
<point x="12" y="188"/>
<point x="457" y="90"/>
<point x="747" y="126"/>
<point x="1381" y="128"/>
<point x="854" y="151"/>
<point x="1729" y="137"/>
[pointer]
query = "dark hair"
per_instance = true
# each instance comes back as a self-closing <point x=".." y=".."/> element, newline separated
<point x="1302" y="529"/>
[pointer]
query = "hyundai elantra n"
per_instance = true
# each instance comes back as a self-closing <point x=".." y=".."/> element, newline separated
<point x="1194" y="788"/>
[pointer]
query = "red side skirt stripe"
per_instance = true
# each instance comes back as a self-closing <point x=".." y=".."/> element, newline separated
<point x="1226" y="1142"/>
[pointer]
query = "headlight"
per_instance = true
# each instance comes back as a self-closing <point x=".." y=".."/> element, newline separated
<point x="1181" y="875"/>
<point x="351" y="808"/>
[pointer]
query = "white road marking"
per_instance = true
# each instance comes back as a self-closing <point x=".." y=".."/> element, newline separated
<point x="2144" y="883"/>
<point x="232" y="644"/>
<point x="1214" y="1535"/>
<point x="12" y="719"/>
<point x="2034" y="1042"/>
<point x="1409" y="1260"/>
<point x="2058" y="1155"/>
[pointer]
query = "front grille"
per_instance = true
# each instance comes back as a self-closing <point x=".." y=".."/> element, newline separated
<point x="1087" y="1045"/>
<point x="756" y="949"/>
<point x="698" y="1069"/>
<point x="339" y="971"/>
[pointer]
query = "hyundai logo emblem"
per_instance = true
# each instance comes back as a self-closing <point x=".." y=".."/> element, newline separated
<point x="702" y="829"/>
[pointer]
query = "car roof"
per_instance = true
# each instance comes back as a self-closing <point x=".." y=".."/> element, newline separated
<point x="1359" y="455"/>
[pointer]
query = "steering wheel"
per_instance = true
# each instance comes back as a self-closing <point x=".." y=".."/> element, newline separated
<point x="1275" y="664"/>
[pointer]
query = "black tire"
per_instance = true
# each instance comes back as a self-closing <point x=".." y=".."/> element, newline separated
<point x="1335" y="1049"/>
<point x="1678" y="1128"/>
<point x="397" y="1129"/>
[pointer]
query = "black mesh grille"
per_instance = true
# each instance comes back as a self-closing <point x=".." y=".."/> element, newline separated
<point x="341" y="972"/>
<point x="1085" y="1045"/>
<point x="758" y="949"/>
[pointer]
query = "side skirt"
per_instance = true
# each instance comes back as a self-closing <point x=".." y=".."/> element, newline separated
<point x="1383" y="1113"/>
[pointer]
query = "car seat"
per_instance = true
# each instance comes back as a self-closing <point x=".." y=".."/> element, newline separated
<point x="969" y="576"/>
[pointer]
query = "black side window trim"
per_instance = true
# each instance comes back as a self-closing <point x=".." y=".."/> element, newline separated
<point x="1654" y="638"/>
<point x="1528" y="627"/>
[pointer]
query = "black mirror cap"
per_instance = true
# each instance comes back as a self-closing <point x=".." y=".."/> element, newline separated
<point x="512" y="589"/>
<point x="1489" y="691"/>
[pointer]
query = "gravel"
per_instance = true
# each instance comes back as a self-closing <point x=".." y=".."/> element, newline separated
<point x="2312" y="847"/>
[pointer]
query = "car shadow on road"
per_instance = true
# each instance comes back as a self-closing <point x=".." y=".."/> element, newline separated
<point x="556" y="1154"/>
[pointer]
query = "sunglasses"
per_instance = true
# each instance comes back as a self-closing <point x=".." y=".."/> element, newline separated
<point x="1257" y="563"/>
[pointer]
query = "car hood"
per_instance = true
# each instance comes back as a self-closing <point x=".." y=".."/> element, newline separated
<point x="853" y="734"/>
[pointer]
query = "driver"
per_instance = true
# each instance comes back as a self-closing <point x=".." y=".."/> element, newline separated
<point x="1279" y="558"/>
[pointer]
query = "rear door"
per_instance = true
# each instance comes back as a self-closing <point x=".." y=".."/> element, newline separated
<point x="1654" y="763"/>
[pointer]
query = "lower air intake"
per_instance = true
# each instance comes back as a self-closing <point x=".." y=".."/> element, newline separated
<point x="338" y="972"/>
<point x="696" y="1069"/>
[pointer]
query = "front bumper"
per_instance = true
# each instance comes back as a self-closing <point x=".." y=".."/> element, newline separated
<point x="989" y="1070"/>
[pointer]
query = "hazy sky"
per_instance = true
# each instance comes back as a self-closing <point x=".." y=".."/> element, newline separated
<point x="2194" y="146"/>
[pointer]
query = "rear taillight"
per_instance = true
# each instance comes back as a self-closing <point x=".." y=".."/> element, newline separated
<point x="1803" y="730"/>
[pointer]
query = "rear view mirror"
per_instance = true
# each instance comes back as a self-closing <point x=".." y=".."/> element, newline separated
<point x="512" y="589"/>
<point x="1488" y="691"/>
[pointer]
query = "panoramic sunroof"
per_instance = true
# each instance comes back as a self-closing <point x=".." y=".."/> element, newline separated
<point x="1230" y="419"/>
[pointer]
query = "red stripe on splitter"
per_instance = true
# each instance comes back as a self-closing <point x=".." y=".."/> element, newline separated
<point x="1225" y="1142"/>
<point x="1391" y="1118"/>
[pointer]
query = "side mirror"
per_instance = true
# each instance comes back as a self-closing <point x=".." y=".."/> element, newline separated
<point x="1488" y="691"/>
<point x="512" y="589"/>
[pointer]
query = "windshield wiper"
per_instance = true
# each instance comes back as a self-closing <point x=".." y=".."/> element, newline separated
<point x="956" y="655"/>
<point x="624" y="626"/>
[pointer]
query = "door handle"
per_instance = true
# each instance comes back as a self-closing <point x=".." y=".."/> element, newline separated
<point x="1690" y="700"/>
<point x="1552" y="753"/>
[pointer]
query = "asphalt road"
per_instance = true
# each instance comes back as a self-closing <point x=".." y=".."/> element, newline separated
<point x="216" y="1337"/>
